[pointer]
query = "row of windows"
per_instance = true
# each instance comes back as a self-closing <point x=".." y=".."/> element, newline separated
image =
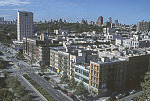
<point x="94" y="78"/>
<point x="94" y="67"/>
<point x="94" y="84"/>
<point x="95" y="73"/>
<point x="82" y="72"/>
<point x="82" y="79"/>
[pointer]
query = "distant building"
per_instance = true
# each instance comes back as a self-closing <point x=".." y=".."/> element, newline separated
<point x="108" y="30"/>
<point x="107" y="24"/>
<point x="116" y="23"/>
<point x="24" y="25"/>
<point x="83" y="22"/>
<point x="135" y="43"/>
<point x="99" y="21"/>
<point x="1" y="20"/>
<point x="110" y="20"/>
<point x="143" y="26"/>
<point x="92" y="23"/>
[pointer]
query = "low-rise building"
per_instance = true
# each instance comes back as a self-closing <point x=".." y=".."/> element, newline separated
<point x="107" y="76"/>
<point x="81" y="74"/>
<point x="115" y="75"/>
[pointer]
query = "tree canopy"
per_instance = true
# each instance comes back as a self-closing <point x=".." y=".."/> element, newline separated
<point x="77" y="27"/>
<point x="80" y="89"/>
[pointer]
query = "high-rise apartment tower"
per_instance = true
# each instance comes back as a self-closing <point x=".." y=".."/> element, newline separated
<point x="24" y="25"/>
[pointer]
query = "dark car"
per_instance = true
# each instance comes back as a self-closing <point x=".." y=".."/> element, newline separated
<point x="112" y="98"/>
<point x="47" y="78"/>
<point x="40" y="74"/>
<point x="64" y="91"/>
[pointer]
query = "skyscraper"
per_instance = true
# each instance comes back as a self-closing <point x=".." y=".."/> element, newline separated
<point x="99" y="21"/>
<point x="24" y="25"/>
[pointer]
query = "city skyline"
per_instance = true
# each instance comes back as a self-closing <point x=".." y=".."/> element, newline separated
<point x="127" y="12"/>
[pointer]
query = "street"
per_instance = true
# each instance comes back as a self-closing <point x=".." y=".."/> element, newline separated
<point x="20" y="67"/>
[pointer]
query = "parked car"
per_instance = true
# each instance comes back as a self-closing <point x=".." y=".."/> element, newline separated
<point x="71" y="95"/>
<point x="113" y="98"/>
<point x="40" y="74"/>
<point x="119" y="96"/>
<point x="132" y="91"/>
<point x="47" y="78"/>
<point x="64" y="91"/>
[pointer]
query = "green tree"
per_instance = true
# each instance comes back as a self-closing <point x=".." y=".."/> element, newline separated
<point x="72" y="84"/>
<point x="12" y="83"/>
<point x="1" y="53"/>
<point x="80" y="89"/>
<point x="20" y="55"/>
<point x="26" y="98"/>
<point x="145" y="87"/>
<point x="6" y="95"/>
<point x="64" y="79"/>
<point x="20" y="91"/>
<point x="43" y="67"/>
<point x="6" y="74"/>
<point x="1" y="65"/>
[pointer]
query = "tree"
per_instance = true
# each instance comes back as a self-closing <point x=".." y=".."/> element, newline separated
<point x="1" y="65"/>
<point x="72" y="84"/>
<point x="26" y="98"/>
<point x="12" y="83"/>
<point x="145" y="87"/>
<point x="20" y="91"/>
<point x="6" y="74"/>
<point x="1" y="53"/>
<point x="20" y="55"/>
<point x="43" y="67"/>
<point x="6" y="95"/>
<point x="80" y="89"/>
<point x="64" y="79"/>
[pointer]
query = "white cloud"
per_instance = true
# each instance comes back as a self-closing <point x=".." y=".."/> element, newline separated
<point x="13" y="2"/>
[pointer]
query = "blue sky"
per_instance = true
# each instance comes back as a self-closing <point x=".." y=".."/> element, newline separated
<point x="126" y="11"/>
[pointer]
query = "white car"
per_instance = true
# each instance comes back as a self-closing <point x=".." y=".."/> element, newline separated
<point x="119" y="96"/>
<point x="132" y="91"/>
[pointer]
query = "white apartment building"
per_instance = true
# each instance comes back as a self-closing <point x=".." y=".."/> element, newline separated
<point x="24" y="25"/>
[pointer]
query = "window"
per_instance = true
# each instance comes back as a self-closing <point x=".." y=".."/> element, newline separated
<point x="91" y="71"/>
<point x="91" y="83"/>
<point x="26" y="14"/>
<point x="94" y="72"/>
<point x="85" y="74"/>
<point x="95" y="67"/>
<point x="76" y="76"/>
<point x="97" y="75"/>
